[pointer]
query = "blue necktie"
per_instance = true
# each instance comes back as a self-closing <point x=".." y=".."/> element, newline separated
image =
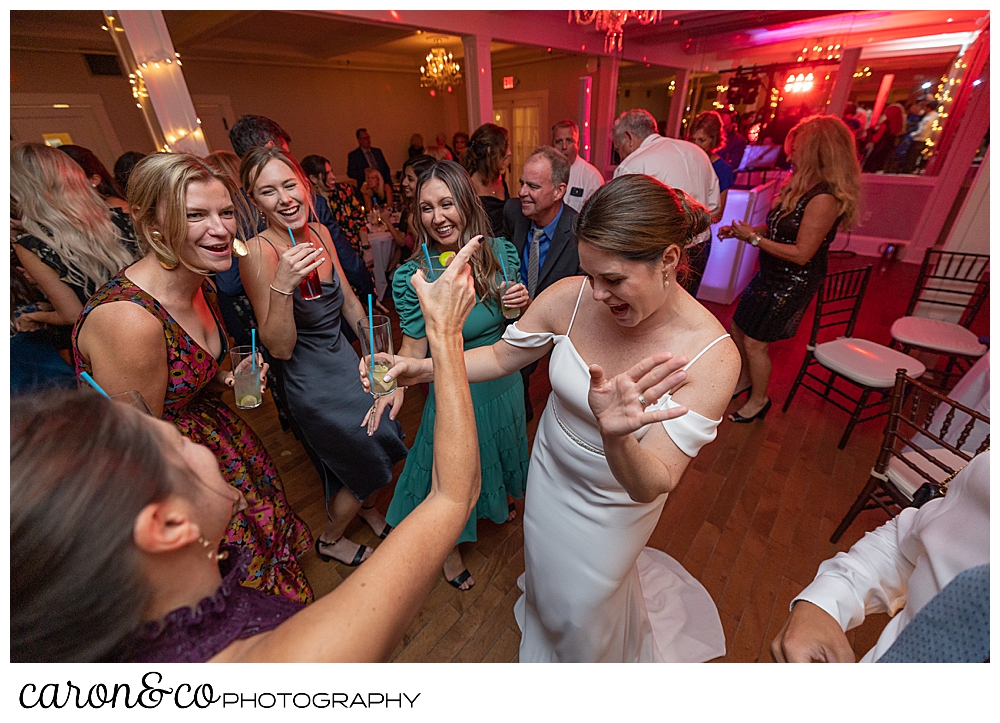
<point x="533" y="262"/>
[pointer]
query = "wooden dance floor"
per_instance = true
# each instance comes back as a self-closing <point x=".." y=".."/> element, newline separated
<point x="751" y="519"/>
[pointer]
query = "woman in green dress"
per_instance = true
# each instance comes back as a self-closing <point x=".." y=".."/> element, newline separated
<point x="448" y="214"/>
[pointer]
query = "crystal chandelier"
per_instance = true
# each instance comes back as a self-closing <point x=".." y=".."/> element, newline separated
<point x="439" y="71"/>
<point x="612" y="22"/>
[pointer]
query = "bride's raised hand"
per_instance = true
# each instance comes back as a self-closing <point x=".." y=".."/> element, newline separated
<point x="619" y="403"/>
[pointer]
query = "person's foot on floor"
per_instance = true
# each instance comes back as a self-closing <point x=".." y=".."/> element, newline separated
<point x="376" y="521"/>
<point x="752" y="408"/>
<point x="454" y="570"/>
<point x="344" y="551"/>
<point x="511" y="511"/>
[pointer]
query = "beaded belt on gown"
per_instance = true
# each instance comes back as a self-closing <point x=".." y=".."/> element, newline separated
<point x="574" y="436"/>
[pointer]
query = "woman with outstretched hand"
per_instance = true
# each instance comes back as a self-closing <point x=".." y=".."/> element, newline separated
<point x="141" y="580"/>
<point x="627" y="414"/>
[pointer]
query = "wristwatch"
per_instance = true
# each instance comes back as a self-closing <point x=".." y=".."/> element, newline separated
<point x="754" y="239"/>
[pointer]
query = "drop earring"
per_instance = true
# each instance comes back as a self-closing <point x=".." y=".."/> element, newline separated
<point x="157" y="238"/>
<point x="212" y="554"/>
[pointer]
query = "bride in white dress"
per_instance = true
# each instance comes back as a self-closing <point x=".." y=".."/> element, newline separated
<point x="624" y="419"/>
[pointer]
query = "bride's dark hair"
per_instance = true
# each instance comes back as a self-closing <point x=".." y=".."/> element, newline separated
<point x="637" y="217"/>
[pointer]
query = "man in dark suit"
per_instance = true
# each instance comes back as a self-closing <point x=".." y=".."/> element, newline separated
<point x="364" y="156"/>
<point x="543" y="229"/>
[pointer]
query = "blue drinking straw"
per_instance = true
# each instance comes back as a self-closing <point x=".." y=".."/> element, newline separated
<point x="253" y="350"/>
<point x="504" y="267"/>
<point x="430" y="265"/>
<point x="291" y="234"/>
<point x="90" y="380"/>
<point x="371" y="343"/>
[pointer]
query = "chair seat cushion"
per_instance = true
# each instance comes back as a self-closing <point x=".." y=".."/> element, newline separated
<point x="907" y="481"/>
<point x="866" y="362"/>
<point x="937" y="335"/>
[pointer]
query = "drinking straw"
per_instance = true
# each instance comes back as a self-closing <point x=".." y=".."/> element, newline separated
<point x="371" y="343"/>
<point x="253" y="350"/>
<point x="90" y="380"/>
<point x="504" y="267"/>
<point x="430" y="265"/>
<point x="291" y="234"/>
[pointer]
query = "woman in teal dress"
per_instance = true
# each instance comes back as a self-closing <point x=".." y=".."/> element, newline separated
<point x="448" y="214"/>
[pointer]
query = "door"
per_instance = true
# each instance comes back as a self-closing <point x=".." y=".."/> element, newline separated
<point x="525" y="116"/>
<point x="77" y="117"/>
<point x="217" y="117"/>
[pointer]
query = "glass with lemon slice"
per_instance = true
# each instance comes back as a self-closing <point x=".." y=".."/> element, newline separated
<point x="246" y="374"/>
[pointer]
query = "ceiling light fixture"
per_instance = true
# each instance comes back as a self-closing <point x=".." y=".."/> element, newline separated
<point x="440" y="71"/>
<point x="612" y="22"/>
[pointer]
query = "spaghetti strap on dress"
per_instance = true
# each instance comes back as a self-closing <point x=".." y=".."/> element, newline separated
<point x="275" y="536"/>
<point x="592" y="591"/>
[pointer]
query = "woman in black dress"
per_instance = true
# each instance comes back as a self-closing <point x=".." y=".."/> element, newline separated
<point x="821" y="194"/>
<point x="487" y="158"/>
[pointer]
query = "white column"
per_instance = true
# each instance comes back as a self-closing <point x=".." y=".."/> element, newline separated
<point x="478" y="74"/>
<point x="153" y="50"/>
<point x="678" y="103"/>
<point x="607" y="94"/>
<point x="845" y="79"/>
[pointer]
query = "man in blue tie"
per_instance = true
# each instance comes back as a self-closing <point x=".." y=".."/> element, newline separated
<point x="542" y="229"/>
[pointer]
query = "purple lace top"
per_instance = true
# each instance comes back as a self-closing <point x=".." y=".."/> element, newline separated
<point x="234" y="612"/>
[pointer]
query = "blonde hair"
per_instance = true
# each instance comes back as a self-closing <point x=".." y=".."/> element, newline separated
<point x="58" y="205"/>
<point x="485" y="265"/>
<point x="227" y="162"/>
<point x="157" y="195"/>
<point x="438" y="153"/>
<point x="824" y="152"/>
<point x="637" y="218"/>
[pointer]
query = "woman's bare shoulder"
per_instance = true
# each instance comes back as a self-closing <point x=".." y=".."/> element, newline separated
<point x="553" y="308"/>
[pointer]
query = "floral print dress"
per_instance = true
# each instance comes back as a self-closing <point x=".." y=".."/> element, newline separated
<point x="268" y="527"/>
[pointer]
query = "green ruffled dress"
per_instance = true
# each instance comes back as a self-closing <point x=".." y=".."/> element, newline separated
<point x="498" y="405"/>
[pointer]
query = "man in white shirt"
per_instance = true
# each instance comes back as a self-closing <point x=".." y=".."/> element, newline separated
<point x="897" y="569"/>
<point x="584" y="178"/>
<point x="678" y="164"/>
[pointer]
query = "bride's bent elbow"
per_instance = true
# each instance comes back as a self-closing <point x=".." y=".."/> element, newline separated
<point x="645" y="496"/>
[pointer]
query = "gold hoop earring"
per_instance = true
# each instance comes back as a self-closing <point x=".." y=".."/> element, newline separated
<point x="156" y="238"/>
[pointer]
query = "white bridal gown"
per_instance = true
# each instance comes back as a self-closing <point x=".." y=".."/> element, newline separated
<point x="592" y="591"/>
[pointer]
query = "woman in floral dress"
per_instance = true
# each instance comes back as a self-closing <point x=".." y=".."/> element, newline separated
<point x="169" y="344"/>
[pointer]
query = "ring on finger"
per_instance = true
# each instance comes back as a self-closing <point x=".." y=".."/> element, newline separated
<point x="642" y="401"/>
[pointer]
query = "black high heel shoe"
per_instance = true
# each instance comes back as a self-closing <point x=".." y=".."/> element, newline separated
<point x="740" y="393"/>
<point x="740" y="419"/>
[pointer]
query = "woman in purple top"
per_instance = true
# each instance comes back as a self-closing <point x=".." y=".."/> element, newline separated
<point x="140" y="579"/>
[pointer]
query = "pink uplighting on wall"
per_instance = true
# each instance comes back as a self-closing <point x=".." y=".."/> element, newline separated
<point x="586" y="82"/>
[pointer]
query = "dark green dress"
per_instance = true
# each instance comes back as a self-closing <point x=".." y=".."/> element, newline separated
<point x="498" y="405"/>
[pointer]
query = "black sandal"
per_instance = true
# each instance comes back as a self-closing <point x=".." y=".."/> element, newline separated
<point x="459" y="579"/>
<point x="385" y="530"/>
<point x="358" y="557"/>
